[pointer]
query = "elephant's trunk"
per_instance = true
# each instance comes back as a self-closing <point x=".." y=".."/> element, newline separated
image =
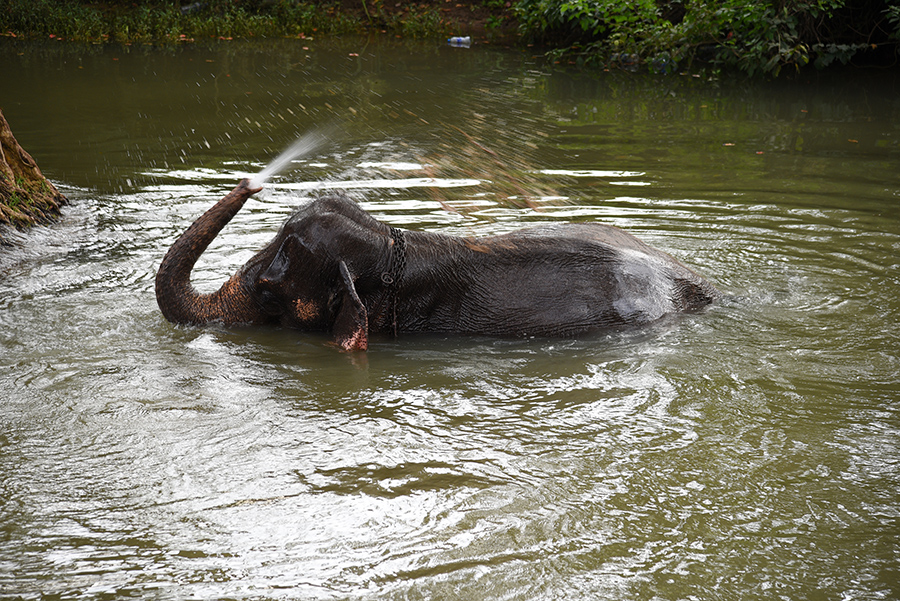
<point x="178" y="300"/>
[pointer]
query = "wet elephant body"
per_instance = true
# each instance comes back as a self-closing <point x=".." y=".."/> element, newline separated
<point x="333" y="267"/>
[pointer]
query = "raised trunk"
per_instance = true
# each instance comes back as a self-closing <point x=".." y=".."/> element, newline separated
<point x="178" y="300"/>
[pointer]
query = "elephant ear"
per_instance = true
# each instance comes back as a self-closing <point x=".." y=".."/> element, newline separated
<point x="351" y="327"/>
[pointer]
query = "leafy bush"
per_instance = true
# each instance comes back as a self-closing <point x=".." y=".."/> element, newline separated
<point x="146" y="21"/>
<point x="755" y="37"/>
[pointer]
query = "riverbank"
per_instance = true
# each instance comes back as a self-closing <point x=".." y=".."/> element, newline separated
<point x="26" y="196"/>
<point x="162" y="23"/>
<point x="663" y="36"/>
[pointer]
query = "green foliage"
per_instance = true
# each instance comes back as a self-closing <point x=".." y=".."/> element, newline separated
<point x="419" y="21"/>
<point x="157" y="21"/>
<point x="15" y="201"/>
<point x="755" y="37"/>
<point x="421" y="24"/>
<point x="892" y="13"/>
<point x="46" y="17"/>
<point x="137" y="21"/>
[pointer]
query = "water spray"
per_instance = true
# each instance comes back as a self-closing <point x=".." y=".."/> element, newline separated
<point x="301" y="146"/>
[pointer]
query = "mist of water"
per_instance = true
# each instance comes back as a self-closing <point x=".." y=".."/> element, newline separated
<point x="304" y="145"/>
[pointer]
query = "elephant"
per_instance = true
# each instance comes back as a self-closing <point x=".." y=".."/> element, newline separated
<point x="334" y="268"/>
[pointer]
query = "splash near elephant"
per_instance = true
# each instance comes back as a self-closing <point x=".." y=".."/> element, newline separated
<point x="333" y="267"/>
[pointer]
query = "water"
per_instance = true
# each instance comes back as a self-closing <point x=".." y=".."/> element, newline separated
<point x="302" y="146"/>
<point x="749" y="452"/>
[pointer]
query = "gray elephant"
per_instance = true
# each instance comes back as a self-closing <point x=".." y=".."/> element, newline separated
<point x="335" y="268"/>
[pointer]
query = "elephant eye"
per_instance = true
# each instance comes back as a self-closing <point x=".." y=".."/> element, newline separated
<point x="269" y="303"/>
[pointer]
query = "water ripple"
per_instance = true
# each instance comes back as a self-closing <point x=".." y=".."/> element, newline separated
<point x="749" y="451"/>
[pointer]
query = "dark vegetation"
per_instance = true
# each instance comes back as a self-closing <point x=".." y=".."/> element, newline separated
<point x="756" y="37"/>
<point x="156" y="21"/>
<point x="752" y="36"/>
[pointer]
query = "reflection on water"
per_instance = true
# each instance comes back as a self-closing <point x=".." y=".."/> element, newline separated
<point x="747" y="452"/>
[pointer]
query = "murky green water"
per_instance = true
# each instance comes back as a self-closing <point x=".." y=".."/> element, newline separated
<point x="750" y="452"/>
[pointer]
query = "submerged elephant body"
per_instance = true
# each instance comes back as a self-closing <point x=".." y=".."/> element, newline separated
<point x="333" y="267"/>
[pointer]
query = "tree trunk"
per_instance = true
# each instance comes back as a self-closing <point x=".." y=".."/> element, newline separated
<point x="26" y="196"/>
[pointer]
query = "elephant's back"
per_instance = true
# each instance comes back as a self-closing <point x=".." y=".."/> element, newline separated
<point x="580" y="277"/>
<point x="609" y="239"/>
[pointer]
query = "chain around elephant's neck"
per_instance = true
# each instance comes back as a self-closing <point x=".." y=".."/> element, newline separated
<point x="391" y="278"/>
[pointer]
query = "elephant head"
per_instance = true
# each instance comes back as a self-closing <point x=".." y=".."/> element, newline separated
<point x="306" y="278"/>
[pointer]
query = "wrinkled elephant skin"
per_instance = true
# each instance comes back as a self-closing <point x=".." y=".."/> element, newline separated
<point x="333" y="267"/>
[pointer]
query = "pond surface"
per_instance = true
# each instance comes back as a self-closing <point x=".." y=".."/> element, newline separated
<point x="748" y="452"/>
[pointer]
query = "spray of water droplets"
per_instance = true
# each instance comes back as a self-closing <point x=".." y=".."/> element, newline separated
<point x="302" y="146"/>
